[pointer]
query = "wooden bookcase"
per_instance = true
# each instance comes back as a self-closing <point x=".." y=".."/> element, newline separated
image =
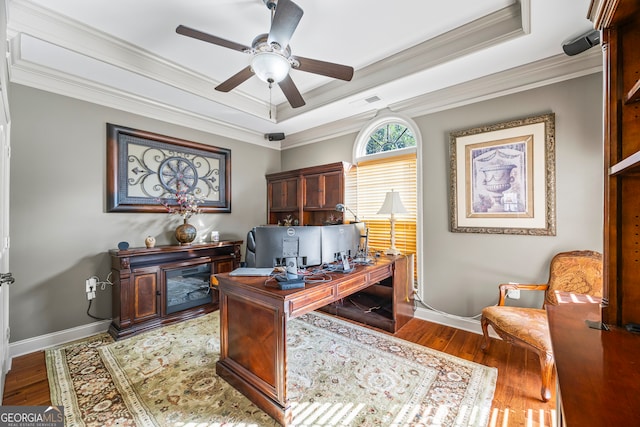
<point x="619" y="21"/>
<point x="309" y="195"/>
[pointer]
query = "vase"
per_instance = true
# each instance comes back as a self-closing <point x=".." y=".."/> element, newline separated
<point x="186" y="233"/>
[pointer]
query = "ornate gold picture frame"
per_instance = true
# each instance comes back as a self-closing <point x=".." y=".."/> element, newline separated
<point x="145" y="169"/>
<point x="503" y="178"/>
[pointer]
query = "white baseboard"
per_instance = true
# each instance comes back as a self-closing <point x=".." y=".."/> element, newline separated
<point x="469" y="325"/>
<point x="42" y="342"/>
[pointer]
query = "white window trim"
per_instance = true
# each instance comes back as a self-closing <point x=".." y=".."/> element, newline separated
<point x="382" y="118"/>
<point x="359" y="149"/>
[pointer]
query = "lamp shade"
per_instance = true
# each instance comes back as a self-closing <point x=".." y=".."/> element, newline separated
<point x="270" y="67"/>
<point x="392" y="204"/>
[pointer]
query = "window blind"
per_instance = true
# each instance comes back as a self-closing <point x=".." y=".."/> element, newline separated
<point x="365" y="189"/>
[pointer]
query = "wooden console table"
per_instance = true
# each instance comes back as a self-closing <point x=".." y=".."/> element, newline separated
<point x="598" y="372"/>
<point x="253" y="326"/>
<point x="139" y="275"/>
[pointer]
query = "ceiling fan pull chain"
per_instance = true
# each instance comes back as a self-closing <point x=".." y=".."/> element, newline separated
<point x="270" y="87"/>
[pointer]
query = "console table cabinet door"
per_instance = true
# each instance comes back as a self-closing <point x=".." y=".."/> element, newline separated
<point x="146" y="293"/>
<point x="223" y="266"/>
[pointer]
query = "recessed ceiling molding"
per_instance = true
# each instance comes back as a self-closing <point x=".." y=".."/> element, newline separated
<point x="43" y="24"/>
<point x="492" y="29"/>
<point x="537" y="74"/>
<point x="44" y="78"/>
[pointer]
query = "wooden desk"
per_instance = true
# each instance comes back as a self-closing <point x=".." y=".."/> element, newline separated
<point x="253" y="326"/>
<point x="598" y="372"/>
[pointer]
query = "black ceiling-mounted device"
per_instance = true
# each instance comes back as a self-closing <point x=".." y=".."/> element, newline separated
<point x="271" y="54"/>
<point x="581" y="43"/>
<point x="274" y="136"/>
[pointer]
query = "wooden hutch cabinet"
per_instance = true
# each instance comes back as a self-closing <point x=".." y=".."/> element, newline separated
<point x="597" y="370"/>
<point x="166" y="284"/>
<point x="619" y="21"/>
<point x="308" y="195"/>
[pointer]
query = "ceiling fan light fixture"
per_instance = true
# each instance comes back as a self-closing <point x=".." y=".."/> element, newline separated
<point x="270" y="67"/>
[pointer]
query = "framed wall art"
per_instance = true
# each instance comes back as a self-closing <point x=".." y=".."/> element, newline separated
<point x="145" y="170"/>
<point x="503" y="178"/>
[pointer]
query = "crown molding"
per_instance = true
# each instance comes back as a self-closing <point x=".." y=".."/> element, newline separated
<point x="489" y="30"/>
<point x="43" y="78"/>
<point x="46" y="25"/>
<point x="530" y="76"/>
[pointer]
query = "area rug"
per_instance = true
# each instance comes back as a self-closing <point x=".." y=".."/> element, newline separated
<point x="339" y="374"/>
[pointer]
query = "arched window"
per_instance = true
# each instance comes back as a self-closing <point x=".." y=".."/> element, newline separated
<point x="385" y="155"/>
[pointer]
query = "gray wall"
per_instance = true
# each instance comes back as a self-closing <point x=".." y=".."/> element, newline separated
<point x="60" y="230"/>
<point x="461" y="271"/>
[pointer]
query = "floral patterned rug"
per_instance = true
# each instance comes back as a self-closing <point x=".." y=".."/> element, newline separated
<point x="338" y="374"/>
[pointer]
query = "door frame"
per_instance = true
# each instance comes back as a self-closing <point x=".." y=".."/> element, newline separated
<point x="5" y="155"/>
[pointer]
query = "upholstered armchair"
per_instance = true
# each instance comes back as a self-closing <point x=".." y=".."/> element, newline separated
<point x="578" y="272"/>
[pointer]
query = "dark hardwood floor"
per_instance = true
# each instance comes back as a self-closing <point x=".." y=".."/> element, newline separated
<point x="516" y="400"/>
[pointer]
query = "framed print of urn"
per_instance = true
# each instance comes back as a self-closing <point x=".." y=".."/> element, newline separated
<point x="502" y="178"/>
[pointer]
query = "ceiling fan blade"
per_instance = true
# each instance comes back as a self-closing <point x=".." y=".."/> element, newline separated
<point x="291" y="92"/>
<point x="329" y="69"/>
<point x="285" y="21"/>
<point x="235" y="80"/>
<point x="190" y="32"/>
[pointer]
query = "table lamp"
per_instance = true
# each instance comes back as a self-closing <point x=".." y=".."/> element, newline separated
<point x="392" y="205"/>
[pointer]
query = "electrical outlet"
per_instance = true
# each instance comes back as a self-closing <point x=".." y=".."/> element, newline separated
<point x="513" y="293"/>
<point x="90" y="287"/>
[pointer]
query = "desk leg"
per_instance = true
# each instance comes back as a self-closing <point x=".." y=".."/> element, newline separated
<point x="253" y="351"/>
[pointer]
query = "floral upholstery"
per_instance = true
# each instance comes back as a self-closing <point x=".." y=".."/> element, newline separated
<point x="528" y="324"/>
<point x="578" y="272"/>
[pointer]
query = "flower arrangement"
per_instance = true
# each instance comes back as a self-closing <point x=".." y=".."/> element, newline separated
<point x="186" y="205"/>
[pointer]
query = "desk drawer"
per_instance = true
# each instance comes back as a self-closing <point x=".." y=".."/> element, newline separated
<point x="380" y="274"/>
<point x="351" y="286"/>
<point x="309" y="301"/>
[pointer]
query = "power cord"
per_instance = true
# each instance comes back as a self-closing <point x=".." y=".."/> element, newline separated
<point x="444" y="313"/>
<point x="103" y="286"/>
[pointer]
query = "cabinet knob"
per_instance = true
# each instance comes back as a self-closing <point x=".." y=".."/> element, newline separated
<point x="158" y="293"/>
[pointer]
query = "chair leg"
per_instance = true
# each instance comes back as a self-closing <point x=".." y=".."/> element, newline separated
<point x="546" y="367"/>
<point x="485" y="332"/>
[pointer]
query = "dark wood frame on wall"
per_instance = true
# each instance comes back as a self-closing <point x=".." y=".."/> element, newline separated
<point x="145" y="169"/>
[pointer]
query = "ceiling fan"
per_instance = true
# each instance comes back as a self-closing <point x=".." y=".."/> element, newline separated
<point x="271" y="55"/>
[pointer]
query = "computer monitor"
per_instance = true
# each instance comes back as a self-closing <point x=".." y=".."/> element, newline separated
<point x="272" y="241"/>
<point x="340" y="239"/>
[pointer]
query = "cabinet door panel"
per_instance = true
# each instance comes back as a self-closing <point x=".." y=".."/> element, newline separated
<point x="224" y="266"/>
<point x="333" y="189"/>
<point x="313" y="197"/>
<point x="283" y="194"/>
<point x="145" y="296"/>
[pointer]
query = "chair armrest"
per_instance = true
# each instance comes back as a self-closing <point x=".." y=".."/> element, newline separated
<point x="505" y="287"/>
